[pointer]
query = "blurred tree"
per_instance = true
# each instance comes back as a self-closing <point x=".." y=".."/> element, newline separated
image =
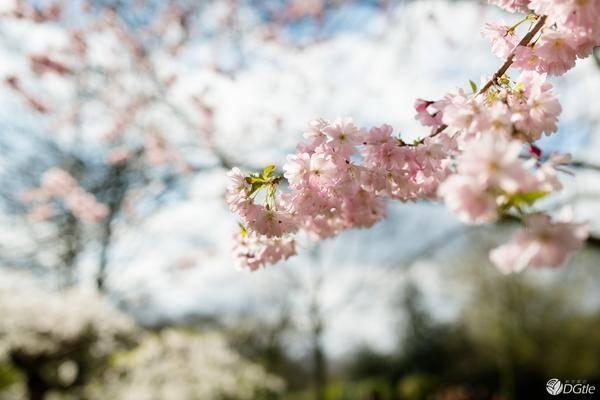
<point x="530" y="334"/>
<point x="116" y="125"/>
<point x="510" y="338"/>
<point x="185" y="365"/>
<point x="75" y="345"/>
<point x="115" y="114"/>
<point x="59" y="342"/>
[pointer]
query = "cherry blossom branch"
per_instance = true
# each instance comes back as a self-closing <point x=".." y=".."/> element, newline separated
<point x="499" y="73"/>
<point x="439" y="130"/>
<point x="584" y="165"/>
<point x="524" y="42"/>
<point x="478" y="170"/>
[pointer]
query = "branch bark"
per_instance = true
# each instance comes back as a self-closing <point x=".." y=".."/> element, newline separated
<point x="509" y="61"/>
<point x="500" y="72"/>
<point x="117" y="188"/>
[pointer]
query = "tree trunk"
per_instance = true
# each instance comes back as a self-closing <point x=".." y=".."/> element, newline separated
<point x="104" y="245"/>
<point x="115" y="189"/>
<point x="319" y="365"/>
<point x="319" y="358"/>
<point x="36" y="388"/>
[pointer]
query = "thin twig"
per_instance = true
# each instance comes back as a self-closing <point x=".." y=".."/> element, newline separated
<point x="439" y="130"/>
<point x="499" y="73"/>
<point x="524" y="42"/>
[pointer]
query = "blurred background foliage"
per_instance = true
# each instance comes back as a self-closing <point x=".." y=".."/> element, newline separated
<point x="145" y="304"/>
<point x="508" y="339"/>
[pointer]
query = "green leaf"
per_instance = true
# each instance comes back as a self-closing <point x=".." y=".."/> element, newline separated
<point x="527" y="198"/>
<point x="256" y="186"/>
<point x="268" y="171"/>
<point x="473" y="86"/>
<point x="243" y="230"/>
<point x="252" y="179"/>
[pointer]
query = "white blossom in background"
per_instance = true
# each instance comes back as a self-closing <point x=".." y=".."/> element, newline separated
<point x="41" y="322"/>
<point x="181" y="365"/>
<point x="61" y="335"/>
<point x="57" y="341"/>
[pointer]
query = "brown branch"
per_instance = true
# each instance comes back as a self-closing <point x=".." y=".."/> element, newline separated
<point x="583" y="165"/>
<point x="439" y="130"/>
<point x="524" y="42"/>
<point x="498" y="74"/>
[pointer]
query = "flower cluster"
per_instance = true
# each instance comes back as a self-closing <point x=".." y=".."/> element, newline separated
<point x="57" y="184"/>
<point x="512" y="5"/>
<point x="252" y="250"/>
<point x="571" y="33"/>
<point x="523" y="111"/>
<point x="473" y="159"/>
<point x="541" y="243"/>
<point x="492" y="178"/>
<point x="338" y="179"/>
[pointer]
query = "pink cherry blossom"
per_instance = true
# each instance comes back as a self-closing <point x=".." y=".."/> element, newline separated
<point x="585" y="42"/>
<point x="547" y="172"/>
<point x="512" y="5"/>
<point x="475" y="157"/>
<point x="314" y="135"/>
<point x="379" y="136"/>
<point x="253" y="251"/>
<point x="571" y="31"/>
<point x="499" y="119"/>
<point x="536" y="108"/>
<point x="493" y="161"/>
<point x="542" y="243"/>
<point x="381" y="149"/>
<point x="503" y="38"/>
<point x="33" y="195"/>
<point x="427" y="113"/>
<point x="526" y="59"/>
<point x="237" y="190"/>
<point x="57" y="182"/>
<point x="342" y="137"/>
<point x="322" y="171"/>
<point x="57" y="186"/>
<point x="85" y="207"/>
<point x="469" y="200"/>
<point x="570" y="13"/>
<point x="489" y="173"/>
<point x="363" y="210"/>
<point x="306" y="202"/>
<point x="270" y="222"/>
<point x="556" y="51"/>
<point x="297" y="169"/>
<point x="42" y="212"/>
<point x="464" y="113"/>
<point x="118" y="156"/>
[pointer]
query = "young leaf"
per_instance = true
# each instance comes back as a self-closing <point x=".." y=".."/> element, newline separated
<point x="268" y="171"/>
<point x="528" y="198"/>
<point x="256" y="186"/>
<point x="473" y="86"/>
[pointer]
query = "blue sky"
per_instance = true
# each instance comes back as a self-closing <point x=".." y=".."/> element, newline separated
<point x="369" y="67"/>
